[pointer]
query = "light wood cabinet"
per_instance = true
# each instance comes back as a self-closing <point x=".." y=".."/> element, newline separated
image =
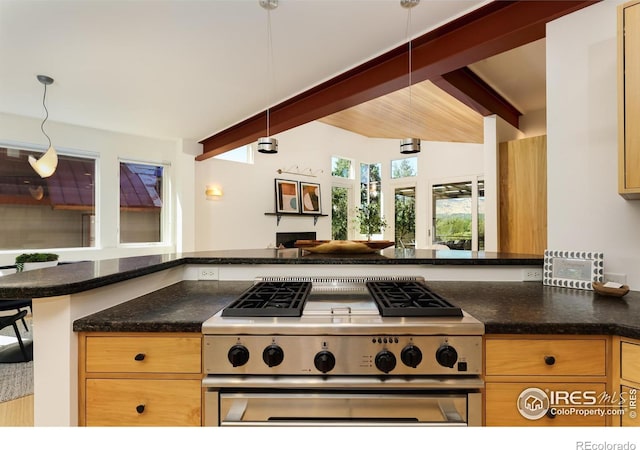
<point x="539" y="380"/>
<point x="628" y="381"/>
<point x="140" y="379"/>
<point x="629" y="99"/>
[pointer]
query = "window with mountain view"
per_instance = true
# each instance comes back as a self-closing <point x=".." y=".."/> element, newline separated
<point x="458" y="215"/>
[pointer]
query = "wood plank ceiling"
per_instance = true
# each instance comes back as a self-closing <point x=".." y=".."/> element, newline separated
<point x="440" y="56"/>
<point x="432" y="115"/>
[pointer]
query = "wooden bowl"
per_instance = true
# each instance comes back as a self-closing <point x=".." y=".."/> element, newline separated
<point x="320" y="246"/>
<point x="609" y="291"/>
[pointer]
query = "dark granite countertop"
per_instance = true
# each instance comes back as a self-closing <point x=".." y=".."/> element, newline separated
<point x="82" y="276"/>
<point x="504" y="307"/>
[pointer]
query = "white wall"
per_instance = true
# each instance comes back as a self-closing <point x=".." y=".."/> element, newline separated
<point x="237" y="220"/>
<point x="108" y="147"/>
<point x="585" y="211"/>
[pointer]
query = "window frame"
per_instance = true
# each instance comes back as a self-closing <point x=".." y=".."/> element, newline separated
<point x="473" y="179"/>
<point x="65" y="151"/>
<point x="166" y="230"/>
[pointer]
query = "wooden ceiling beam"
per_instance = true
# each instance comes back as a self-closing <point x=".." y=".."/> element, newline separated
<point x="464" y="85"/>
<point x="494" y="28"/>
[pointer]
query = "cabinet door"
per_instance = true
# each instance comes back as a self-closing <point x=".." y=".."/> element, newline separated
<point x="629" y="99"/>
<point x="127" y="402"/>
<point x="630" y="362"/>
<point x="504" y="402"/>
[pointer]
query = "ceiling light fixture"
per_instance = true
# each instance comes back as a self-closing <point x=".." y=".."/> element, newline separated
<point x="46" y="165"/>
<point x="269" y="144"/>
<point x="409" y="145"/>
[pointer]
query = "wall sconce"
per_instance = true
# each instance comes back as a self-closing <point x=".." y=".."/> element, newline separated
<point x="213" y="192"/>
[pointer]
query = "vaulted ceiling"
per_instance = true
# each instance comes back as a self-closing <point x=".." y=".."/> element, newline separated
<point x="192" y="69"/>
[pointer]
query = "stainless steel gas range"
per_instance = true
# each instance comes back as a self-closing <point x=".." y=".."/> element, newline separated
<point x="342" y="351"/>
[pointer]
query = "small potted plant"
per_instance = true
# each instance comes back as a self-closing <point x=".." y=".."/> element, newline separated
<point x="370" y="220"/>
<point x="31" y="261"/>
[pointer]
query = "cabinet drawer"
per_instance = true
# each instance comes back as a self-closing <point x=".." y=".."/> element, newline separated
<point x="144" y="354"/>
<point x="546" y="357"/>
<point x="630" y="358"/>
<point x="502" y="405"/>
<point x="124" y="402"/>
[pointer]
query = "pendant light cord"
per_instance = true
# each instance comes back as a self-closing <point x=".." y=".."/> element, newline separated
<point x="408" y="37"/>
<point x="46" y="115"/>
<point x="269" y="67"/>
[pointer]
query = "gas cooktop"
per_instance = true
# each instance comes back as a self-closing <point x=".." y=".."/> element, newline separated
<point x="393" y="298"/>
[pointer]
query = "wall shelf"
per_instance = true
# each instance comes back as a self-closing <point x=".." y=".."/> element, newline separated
<point x="279" y="216"/>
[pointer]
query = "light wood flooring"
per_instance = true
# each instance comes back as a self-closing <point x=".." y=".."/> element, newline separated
<point x="17" y="413"/>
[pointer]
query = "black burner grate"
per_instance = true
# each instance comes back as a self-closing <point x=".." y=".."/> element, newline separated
<point x="270" y="299"/>
<point x="409" y="299"/>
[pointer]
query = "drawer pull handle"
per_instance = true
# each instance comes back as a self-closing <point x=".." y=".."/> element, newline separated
<point x="549" y="360"/>
<point x="139" y="357"/>
<point x="140" y="409"/>
<point x="550" y="414"/>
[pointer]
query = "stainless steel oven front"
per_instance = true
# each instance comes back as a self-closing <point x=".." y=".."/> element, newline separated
<point x="342" y="401"/>
<point x="336" y="354"/>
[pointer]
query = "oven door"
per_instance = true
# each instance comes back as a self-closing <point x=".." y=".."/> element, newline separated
<point x="336" y="408"/>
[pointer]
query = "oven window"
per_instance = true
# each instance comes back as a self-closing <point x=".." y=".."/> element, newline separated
<point x="342" y="408"/>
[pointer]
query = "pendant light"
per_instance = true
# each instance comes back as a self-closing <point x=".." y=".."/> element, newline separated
<point x="46" y="165"/>
<point x="409" y="145"/>
<point x="268" y="144"/>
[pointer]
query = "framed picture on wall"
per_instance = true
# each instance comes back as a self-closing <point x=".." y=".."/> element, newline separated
<point x="287" y="198"/>
<point x="310" y="198"/>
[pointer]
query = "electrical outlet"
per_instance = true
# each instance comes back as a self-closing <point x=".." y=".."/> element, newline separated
<point x="208" y="273"/>
<point x="616" y="277"/>
<point x="532" y="274"/>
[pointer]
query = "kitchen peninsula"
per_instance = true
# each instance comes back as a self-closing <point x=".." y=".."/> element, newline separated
<point x="168" y="298"/>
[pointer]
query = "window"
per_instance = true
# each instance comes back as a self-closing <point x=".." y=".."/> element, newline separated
<point x="340" y="212"/>
<point x="44" y="213"/>
<point x="241" y="154"/>
<point x="402" y="168"/>
<point x="458" y="214"/>
<point x="341" y="167"/>
<point x="141" y="202"/>
<point x="405" y="217"/>
<point x="371" y="188"/>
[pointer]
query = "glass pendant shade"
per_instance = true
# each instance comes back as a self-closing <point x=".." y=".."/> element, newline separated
<point x="46" y="165"/>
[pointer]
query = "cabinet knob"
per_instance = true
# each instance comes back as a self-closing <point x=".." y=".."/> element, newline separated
<point x="140" y="409"/>
<point x="550" y="414"/>
<point x="139" y="357"/>
<point x="549" y="360"/>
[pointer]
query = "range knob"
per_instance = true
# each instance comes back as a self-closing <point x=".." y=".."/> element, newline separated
<point x="324" y="361"/>
<point x="238" y="355"/>
<point x="385" y="361"/>
<point x="411" y="356"/>
<point x="272" y="355"/>
<point x="446" y="355"/>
